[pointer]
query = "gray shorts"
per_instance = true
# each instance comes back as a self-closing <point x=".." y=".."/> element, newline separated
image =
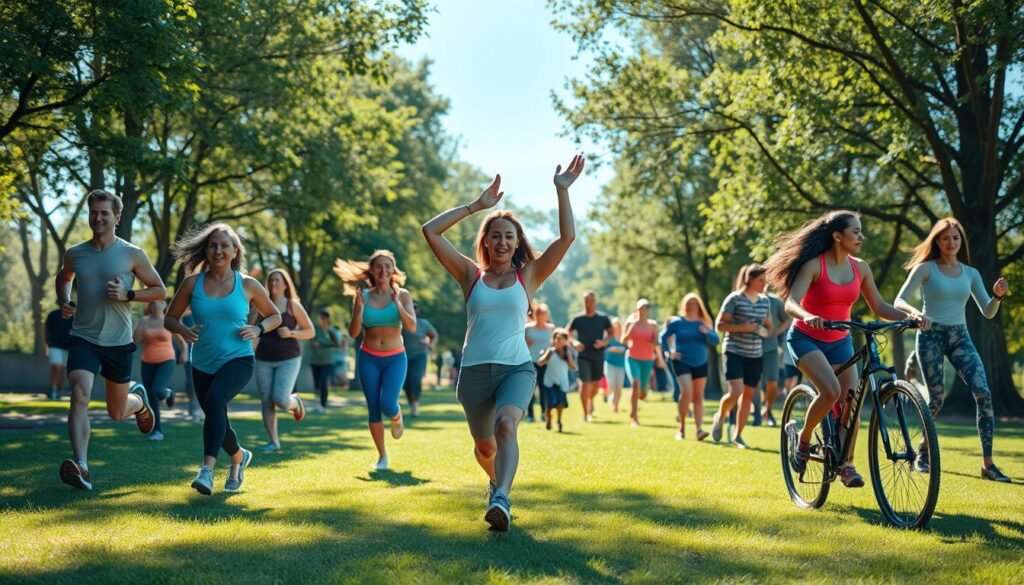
<point x="483" y="389"/>
<point x="591" y="370"/>
<point x="276" y="380"/>
<point x="771" y="366"/>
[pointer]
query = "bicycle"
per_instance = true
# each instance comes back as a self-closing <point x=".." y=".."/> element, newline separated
<point x="900" y="423"/>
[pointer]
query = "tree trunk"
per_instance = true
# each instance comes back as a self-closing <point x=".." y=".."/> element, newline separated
<point x="129" y="189"/>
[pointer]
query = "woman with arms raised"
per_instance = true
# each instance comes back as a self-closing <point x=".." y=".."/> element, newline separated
<point x="497" y="376"/>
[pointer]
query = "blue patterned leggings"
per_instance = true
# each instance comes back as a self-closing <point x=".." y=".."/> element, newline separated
<point x="954" y="342"/>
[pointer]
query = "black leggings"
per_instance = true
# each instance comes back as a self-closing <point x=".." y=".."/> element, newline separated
<point x="322" y="374"/>
<point x="214" y="391"/>
<point x="154" y="378"/>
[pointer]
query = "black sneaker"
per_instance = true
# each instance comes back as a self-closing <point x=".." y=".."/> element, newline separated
<point x="169" y="400"/>
<point x="921" y="463"/>
<point x="993" y="473"/>
<point x="499" y="512"/>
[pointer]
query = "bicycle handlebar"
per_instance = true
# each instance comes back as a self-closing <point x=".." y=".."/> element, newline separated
<point x="871" y="326"/>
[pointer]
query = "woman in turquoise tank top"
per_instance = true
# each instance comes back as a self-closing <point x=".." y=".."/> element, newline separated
<point x="380" y="309"/>
<point x="222" y="355"/>
<point x="939" y="268"/>
<point x="497" y="378"/>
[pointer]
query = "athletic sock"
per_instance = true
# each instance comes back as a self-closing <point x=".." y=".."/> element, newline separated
<point x="83" y="465"/>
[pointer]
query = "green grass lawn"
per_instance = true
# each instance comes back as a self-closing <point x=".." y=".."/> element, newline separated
<point x="600" y="503"/>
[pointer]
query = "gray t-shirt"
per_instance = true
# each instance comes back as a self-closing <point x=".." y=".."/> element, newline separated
<point x="98" y="319"/>
<point x="414" y="346"/>
<point x="588" y="330"/>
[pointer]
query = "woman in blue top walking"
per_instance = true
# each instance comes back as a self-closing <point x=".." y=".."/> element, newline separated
<point x="497" y="376"/>
<point x="380" y="310"/>
<point x="688" y="337"/>
<point x="222" y="354"/>
<point x="939" y="269"/>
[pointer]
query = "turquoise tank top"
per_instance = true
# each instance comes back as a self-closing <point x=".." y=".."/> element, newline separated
<point x="386" y="316"/>
<point x="221" y="318"/>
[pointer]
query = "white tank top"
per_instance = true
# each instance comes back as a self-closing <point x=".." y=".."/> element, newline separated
<point x="496" y="319"/>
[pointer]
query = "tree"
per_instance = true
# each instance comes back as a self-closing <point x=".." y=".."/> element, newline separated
<point x="901" y="109"/>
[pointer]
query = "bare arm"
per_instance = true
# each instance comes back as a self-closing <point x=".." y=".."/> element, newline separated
<point x="807" y="274"/>
<point x="302" y="320"/>
<point x="356" y="324"/>
<point x="180" y="302"/>
<point x="459" y="266"/>
<point x="874" y="298"/>
<point x="403" y="302"/>
<point x="544" y="357"/>
<point x="537" y="272"/>
<point x="260" y="300"/>
<point x="62" y="285"/>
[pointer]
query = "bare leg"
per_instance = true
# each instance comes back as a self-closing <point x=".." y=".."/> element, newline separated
<point x="634" y="401"/>
<point x="817" y="369"/>
<point x="771" y="388"/>
<point x="377" y="432"/>
<point x="484" y="450"/>
<point x="730" y="398"/>
<point x="685" y="395"/>
<point x="78" y="415"/>
<point x="744" y="412"/>
<point x="506" y="460"/>
<point x="698" y="402"/>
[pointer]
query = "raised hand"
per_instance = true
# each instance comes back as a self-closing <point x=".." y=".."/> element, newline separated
<point x="491" y="195"/>
<point x="563" y="180"/>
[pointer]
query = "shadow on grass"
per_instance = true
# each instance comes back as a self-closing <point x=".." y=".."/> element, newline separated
<point x="953" y="528"/>
<point x="394" y="478"/>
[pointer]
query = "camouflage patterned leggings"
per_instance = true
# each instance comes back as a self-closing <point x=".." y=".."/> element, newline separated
<point x="954" y="342"/>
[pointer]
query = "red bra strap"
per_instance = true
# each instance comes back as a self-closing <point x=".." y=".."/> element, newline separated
<point x="475" y="280"/>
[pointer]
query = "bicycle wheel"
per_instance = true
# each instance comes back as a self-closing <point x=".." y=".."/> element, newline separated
<point x="810" y="488"/>
<point x="906" y="497"/>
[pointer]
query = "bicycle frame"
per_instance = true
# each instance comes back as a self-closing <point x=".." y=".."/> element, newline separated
<point x="867" y="355"/>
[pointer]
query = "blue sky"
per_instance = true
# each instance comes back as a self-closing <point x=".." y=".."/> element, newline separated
<point x="498" y="62"/>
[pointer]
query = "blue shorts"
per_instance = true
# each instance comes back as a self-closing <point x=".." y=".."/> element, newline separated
<point x="640" y="371"/>
<point x="836" y="352"/>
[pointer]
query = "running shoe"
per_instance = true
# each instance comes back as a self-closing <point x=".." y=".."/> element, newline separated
<point x="797" y="458"/>
<point x="75" y="475"/>
<point x="559" y="426"/>
<point x="547" y="424"/>
<point x="144" y="418"/>
<point x="156" y="436"/>
<point x="499" y="512"/>
<point x="634" y="421"/>
<point x="397" y="428"/>
<point x="203" y="483"/>
<point x="993" y="473"/>
<point x="381" y="464"/>
<point x="740" y="443"/>
<point x="702" y="434"/>
<point x="716" y="427"/>
<point x="270" y="448"/>
<point x="769" y="420"/>
<point x="850" y="478"/>
<point x="529" y="418"/>
<point x="299" y="412"/>
<point x="921" y="462"/>
<point x="680" y="435"/>
<point x="235" y="484"/>
<point x="169" y="398"/>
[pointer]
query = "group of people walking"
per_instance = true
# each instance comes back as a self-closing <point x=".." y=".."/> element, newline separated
<point x="240" y="328"/>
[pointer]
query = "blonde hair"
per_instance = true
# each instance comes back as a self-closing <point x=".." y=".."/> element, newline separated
<point x="356" y="275"/>
<point x="704" y="317"/>
<point x="524" y="252"/>
<point x="929" y="248"/>
<point x="191" y="248"/>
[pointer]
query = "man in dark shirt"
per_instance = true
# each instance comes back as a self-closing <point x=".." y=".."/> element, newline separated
<point x="591" y="331"/>
<point x="56" y="339"/>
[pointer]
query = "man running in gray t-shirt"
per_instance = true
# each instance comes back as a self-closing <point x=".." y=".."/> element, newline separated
<point x="101" y="337"/>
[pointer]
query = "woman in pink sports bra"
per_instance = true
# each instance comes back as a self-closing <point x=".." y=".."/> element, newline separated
<point x="814" y="269"/>
<point x="641" y="336"/>
<point x="497" y="376"/>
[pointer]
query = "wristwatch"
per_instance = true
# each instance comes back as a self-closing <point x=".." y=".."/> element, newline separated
<point x="261" y="328"/>
<point x="130" y="295"/>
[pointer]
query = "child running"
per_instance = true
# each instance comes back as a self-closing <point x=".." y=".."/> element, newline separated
<point x="557" y="360"/>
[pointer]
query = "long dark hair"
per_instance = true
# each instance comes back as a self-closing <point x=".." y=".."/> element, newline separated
<point x="929" y="248"/>
<point x="793" y="249"/>
<point x="747" y="272"/>
<point x="524" y="253"/>
<point x="191" y="248"/>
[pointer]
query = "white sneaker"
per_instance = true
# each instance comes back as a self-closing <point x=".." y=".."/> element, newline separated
<point x="156" y="436"/>
<point x="381" y="464"/>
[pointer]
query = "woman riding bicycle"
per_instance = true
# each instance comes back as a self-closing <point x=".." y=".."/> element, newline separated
<point x="814" y="269"/>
